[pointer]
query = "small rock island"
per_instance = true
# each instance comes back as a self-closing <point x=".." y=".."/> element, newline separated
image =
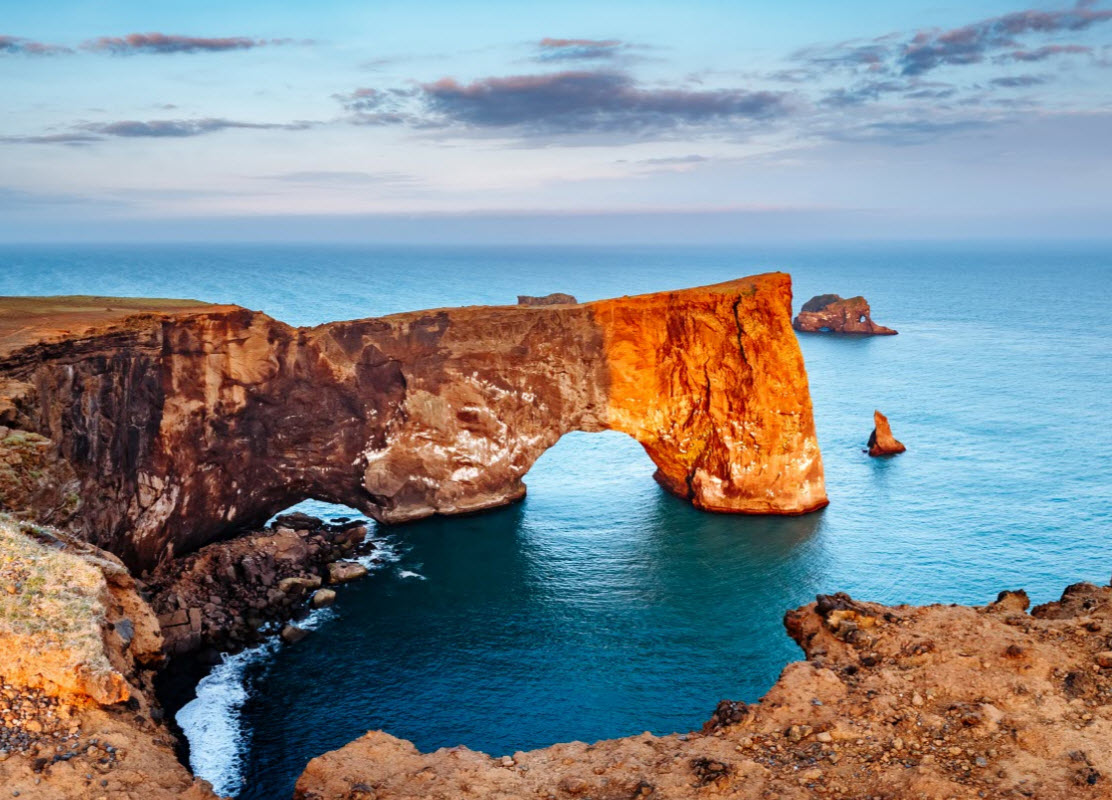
<point x="881" y="440"/>
<point x="831" y="313"/>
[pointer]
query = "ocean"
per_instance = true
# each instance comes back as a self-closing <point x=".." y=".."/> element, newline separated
<point x="603" y="607"/>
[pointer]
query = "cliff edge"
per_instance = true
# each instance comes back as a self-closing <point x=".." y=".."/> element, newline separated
<point x="171" y="425"/>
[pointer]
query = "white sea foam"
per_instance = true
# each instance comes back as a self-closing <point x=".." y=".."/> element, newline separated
<point x="213" y="721"/>
<point x="405" y="573"/>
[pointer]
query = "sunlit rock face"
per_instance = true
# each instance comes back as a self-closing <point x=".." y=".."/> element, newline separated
<point x="183" y="425"/>
<point x="830" y="313"/>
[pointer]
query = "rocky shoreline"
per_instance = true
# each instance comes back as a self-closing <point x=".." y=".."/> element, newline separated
<point x="234" y="594"/>
<point x="891" y="702"/>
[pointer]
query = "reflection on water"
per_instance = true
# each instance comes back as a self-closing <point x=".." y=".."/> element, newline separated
<point x="522" y="632"/>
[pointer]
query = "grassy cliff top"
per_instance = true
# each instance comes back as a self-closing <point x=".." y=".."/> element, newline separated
<point x="26" y="320"/>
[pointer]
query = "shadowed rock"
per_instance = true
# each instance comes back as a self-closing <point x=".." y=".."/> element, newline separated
<point x="881" y="440"/>
<point x="184" y="426"/>
<point x="829" y="313"/>
<point x="554" y="299"/>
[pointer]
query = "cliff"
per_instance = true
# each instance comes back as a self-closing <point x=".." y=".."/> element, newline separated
<point x="79" y="647"/>
<point x="173" y="424"/>
<point x="830" y="313"/>
<point x="896" y="702"/>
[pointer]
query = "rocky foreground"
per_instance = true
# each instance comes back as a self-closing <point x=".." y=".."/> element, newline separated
<point x="892" y="702"/>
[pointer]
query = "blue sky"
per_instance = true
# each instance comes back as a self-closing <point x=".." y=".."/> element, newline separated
<point x="694" y="120"/>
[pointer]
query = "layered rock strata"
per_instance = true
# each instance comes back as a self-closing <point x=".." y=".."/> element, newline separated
<point x="181" y="426"/>
<point x="881" y="440"/>
<point x="893" y="702"/>
<point x="830" y="313"/>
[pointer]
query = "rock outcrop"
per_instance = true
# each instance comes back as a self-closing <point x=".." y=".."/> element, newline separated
<point x="896" y="702"/>
<point x="79" y="647"/>
<point x="182" y="425"/>
<point x="829" y="313"/>
<point x="554" y="299"/>
<point x="881" y="440"/>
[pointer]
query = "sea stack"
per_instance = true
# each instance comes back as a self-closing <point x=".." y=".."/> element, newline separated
<point x="830" y="313"/>
<point x="881" y="441"/>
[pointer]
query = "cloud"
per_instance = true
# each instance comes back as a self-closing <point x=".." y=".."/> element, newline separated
<point x="344" y="178"/>
<point x="928" y="50"/>
<point x="15" y="45"/>
<point x="1048" y="51"/>
<point x="1018" y="81"/>
<point x="579" y="49"/>
<point x="89" y="133"/>
<point x="179" y="128"/>
<point x="922" y="51"/>
<point x="694" y="158"/>
<point x="589" y="101"/>
<point x="161" y="43"/>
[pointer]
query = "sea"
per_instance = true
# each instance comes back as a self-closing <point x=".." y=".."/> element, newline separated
<point x="602" y="606"/>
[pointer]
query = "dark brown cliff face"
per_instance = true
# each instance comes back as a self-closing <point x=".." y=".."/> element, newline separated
<point x="182" y="426"/>
<point x="829" y="313"/>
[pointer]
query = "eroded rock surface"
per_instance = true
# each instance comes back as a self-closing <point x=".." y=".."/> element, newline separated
<point x="185" y="424"/>
<point x="881" y="440"/>
<point x="554" y="299"/>
<point x="893" y="702"/>
<point x="78" y="649"/>
<point x="830" y="313"/>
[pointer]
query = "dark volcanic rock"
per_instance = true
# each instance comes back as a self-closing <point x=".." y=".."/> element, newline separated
<point x="184" y="427"/>
<point x="554" y="299"/>
<point x="829" y="313"/>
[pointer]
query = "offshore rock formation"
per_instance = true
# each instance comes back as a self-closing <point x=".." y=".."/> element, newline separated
<point x="184" y="424"/>
<point x="554" y="299"/>
<point x="829" y="313"/>
<point x="926" y="702"/>
<point x="881" y="440"/>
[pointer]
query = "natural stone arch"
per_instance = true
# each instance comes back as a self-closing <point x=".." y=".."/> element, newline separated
<point x="185" y="426"/>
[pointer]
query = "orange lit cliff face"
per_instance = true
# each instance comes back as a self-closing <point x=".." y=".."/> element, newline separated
<point x="181" y="426"/>
<point x="711" y="381"/>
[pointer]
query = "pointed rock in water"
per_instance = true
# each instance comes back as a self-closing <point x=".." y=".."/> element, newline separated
<point x="322" y="598"/>
<point x="881" y="441"/>
<point x="830" y="313"/>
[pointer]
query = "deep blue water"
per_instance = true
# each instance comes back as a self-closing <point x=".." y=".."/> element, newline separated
<point x="603" y="607"/>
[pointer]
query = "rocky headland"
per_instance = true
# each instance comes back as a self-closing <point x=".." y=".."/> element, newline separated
<point x="140" y="440"/>
<point x="831" y="313"/>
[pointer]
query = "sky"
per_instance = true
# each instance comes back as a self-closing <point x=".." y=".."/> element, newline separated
<point x="702" y="120"/>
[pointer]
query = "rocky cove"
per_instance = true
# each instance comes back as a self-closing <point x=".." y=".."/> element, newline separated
<point x="864" y="663"/>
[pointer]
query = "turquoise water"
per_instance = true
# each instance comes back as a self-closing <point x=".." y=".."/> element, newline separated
<point x="603" y="607"/>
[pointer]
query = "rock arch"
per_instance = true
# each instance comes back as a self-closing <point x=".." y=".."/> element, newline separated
<point x="183" y="425"/>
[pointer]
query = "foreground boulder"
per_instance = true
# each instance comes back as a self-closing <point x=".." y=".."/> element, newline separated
<point x="182" y="425"/>
<point x="830" y="313"/>
<point x="881" y="440"/>
<point x="78" y="649"/>
<point x="929" y="702"/>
